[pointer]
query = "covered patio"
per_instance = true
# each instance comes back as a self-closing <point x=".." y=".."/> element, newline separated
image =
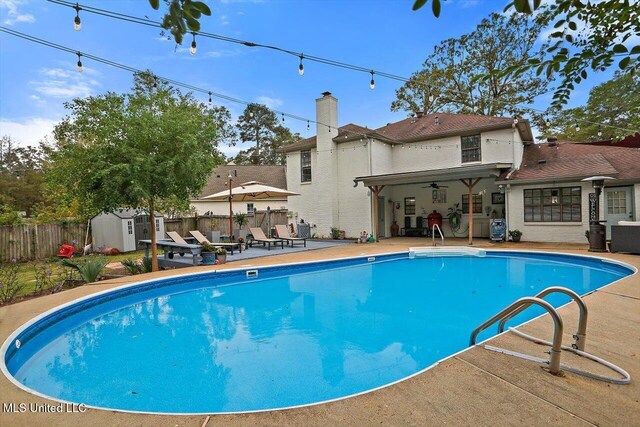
<point x="413" y="195"/>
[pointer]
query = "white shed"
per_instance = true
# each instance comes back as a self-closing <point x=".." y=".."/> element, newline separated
<point x="123" y="228"/>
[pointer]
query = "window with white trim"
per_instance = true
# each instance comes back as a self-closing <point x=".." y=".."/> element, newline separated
<point x="470" y="148"/>
<point x="305" y="166"/>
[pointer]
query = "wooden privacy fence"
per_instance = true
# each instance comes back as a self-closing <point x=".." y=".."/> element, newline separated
<point x="221" y="222"/>
<point x="36" y="241"/>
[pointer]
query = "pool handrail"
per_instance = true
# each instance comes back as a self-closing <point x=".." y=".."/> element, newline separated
<point x="433" y="234"/>
<point x="580" y="336"/>
<point x="556" y="348"/>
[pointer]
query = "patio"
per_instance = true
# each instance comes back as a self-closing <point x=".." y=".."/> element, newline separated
<point x="474" y="387"/>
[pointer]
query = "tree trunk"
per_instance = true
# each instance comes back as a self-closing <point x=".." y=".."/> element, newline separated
<point x="154" y="249"/>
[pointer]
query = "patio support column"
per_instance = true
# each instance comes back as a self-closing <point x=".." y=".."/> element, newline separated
<point x="470" y="183"/>
<point x="376" y="190"/>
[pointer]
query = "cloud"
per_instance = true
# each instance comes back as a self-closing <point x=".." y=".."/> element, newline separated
<point x="464" y="4"/>
<point x="224" y="20"/>
<point x="269" y="102"/>
<point x="13" y="14"/>
<point x="27" y="131"/>
<point x="63" y="83"/>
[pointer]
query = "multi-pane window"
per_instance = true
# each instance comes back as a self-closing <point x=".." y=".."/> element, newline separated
<point x="553" y="205"/>
<point x="470" y="147"/>
<point x="305" y="166"/>
<point x="409" y="205"/>
<point x="477" y="203"/>
<point x="129" y="227"/>
<point x="616" y="202"/>
<point x="250" y="208"/>
<point x="157" y="225"/>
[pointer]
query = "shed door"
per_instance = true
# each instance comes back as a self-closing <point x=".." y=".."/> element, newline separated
<point x="142" y="228"/>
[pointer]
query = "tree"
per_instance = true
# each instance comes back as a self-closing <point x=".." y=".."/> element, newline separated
<point x="21" y="176"/>
<point x="588" y="35"/>
<point x="615" y="103"/>
<point x="182" y="16"/>
<point x="260" y="125"/>
<point x="117" y="151"/>
<point x="450" y="79"/>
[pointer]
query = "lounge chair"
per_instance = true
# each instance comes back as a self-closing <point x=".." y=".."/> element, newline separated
<point x="283" y="233"/>
<point x="258" y="236"/>
<point x="202" y="240"/>
<point x="176" y="237"/>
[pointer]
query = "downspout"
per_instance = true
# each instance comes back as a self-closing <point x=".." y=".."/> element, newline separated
<point x="507" y="194"/>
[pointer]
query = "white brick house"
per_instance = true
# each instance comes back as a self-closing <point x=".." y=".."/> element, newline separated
<point x="428" y="163"/>
<point x="404" y="157"/>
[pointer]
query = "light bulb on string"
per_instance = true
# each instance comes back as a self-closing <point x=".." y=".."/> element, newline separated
<point x="192" y="49"/>
<point x="210" y="101"/>
<point x="301" y="67"/>
<point x="547" y="122"/>
<point x="577" y="127"/>
<point x="282" y="117"/>
<point x="430" y="94"/>
<point x="155" y="82"/>
<point x="372" y="83"/>
<point x="308" y="125"/>
<point x="76" y="21"/>
<point x="80" y="68"/>
<point x="599" y="131"/>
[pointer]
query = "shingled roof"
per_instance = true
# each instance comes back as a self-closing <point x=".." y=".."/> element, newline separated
<point x="573" y="161"/>
<point x="421" y="128"/>
<point x="274" y="176"/>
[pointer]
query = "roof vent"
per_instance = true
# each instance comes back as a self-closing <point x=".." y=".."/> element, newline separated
<point x="326" y="93"/>
<point x="542" y="162"/>
<point x="552" y="140"/>
<point x="437" y="120"/>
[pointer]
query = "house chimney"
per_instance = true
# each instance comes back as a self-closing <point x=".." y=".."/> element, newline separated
<point x="326" y="120"/>
<point x="419" y="114"/>
<point x="552" y="140"/>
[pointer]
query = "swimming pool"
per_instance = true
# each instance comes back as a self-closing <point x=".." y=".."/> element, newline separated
<point x="285" y="336"/>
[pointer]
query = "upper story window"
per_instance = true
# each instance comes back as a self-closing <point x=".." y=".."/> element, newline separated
<point x="250" y="208"/>
<point x="470" y="147"/>
<point x="553" y="204"/>
<point x="305" y="166"/>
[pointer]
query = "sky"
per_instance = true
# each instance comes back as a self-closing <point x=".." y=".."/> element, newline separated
<point x="385" y="35"/>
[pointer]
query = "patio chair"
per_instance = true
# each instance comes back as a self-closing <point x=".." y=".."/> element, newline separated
<point x="258" y="236"/>
<point x="176" y="237"/>
<point x="202" y="240"/>
<point x="283" y="233"/>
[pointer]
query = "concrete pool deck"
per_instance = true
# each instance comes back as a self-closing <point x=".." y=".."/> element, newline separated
<point x="474" y="387"/>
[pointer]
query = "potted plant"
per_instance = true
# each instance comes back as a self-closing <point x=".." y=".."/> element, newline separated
<point x="221" y="254"/>
<point x="208" y="254"/>
<point x="242" y="220"/>
<point x="364" y="236"/>
<point x="515" y="235"/>
<point x="335" y="233"/>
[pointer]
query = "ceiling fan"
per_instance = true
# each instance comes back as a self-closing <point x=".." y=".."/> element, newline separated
<point x="435" y="185"/>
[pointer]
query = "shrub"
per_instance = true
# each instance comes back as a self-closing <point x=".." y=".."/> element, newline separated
<point x="89" y="268"/>
<point x="137" y="267"/>
<point x="335" y="233"/>
<point x="10" y="287"/>
<point x="221" y="251"/>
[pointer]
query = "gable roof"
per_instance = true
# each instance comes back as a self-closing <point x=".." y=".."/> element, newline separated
<point x="421" y="128"/>
<point x="272" y="175"/>
<point x="574" y="161"/>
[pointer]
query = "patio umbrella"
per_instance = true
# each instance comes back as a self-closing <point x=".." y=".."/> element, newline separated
<point x="252" y="190"/>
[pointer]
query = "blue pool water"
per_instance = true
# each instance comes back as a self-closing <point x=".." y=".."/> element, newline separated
<point x="221" y="342"/>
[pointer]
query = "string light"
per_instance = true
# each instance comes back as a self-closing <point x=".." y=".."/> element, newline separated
<point x="282" y="117"/>
<point x="308" y="125"/>
<point x="577" y="127"/>
<point x="192" y="49"/>
<point x="430" y="94"/>
<point x="80" y="68"/>
<point x="599" y="131"/>
<point x="192" y="87"/>
<point x="155" y="82"/>
<point x="210" y="101"/>
<point x="301" y="67"/>
<point x="76" y="21"/>
<point x="372" y="83"/>
<point x="547" y="122"/>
